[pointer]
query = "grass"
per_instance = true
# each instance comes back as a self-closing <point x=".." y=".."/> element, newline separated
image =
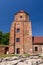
<point x="26" y="55"/>
<point x="7" y="55"/>
<point x="11" y="55"/>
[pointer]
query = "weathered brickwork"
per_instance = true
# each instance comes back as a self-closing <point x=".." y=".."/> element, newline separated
<point x="4" y="49"/>
<point x="21" y="40"/>
<point x="25" y="34"/>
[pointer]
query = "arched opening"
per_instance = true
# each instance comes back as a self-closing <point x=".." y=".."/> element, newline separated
<point x="36" y="48"/>
<point x="6" y="49"/>
<point x="18" y="50"/>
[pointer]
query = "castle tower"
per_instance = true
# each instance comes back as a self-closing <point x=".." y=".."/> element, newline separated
<point x="21" y="34"/>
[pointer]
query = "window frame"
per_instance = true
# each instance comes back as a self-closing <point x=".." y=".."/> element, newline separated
<point x="21" y="16"/>
<point x="36" y="48"/>
<point x="17" y="39"/>
<point x="17" y="30"/>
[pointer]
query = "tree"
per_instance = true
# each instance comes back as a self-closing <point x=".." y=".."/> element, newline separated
<point x="5" y="39"/>
<point x="1" y="34"/>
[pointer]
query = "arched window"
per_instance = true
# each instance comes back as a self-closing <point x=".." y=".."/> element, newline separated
<point x="36" y="48"/>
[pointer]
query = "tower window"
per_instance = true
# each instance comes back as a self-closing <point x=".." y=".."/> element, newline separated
<point x="18" y="30"/>
<point x="17" y="39"/>
<point x="36" y="49"/>
<point x="20" y="16"/>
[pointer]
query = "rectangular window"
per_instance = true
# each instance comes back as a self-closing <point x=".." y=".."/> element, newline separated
<point x="20" y="16"/>
<point x="36" y="49"/>
<point x="18" y="30"/>
<point x="17" y="39"/>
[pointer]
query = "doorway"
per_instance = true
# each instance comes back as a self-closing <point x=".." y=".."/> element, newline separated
<point x="18" y="50"/>
<point x="6" y="49"/>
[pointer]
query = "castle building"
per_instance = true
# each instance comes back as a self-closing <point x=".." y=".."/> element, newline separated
<point x="21" y="39"/>
<point x="21" y="34"/>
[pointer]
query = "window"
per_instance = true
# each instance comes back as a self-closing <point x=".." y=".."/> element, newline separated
<point x="20" y="16"/>
<point x="36" y="49"/>
<point x="18" y="30"/>
<point x="17" y="39"/>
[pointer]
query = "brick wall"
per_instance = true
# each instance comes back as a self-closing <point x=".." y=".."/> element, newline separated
<point x="25" y="34"/>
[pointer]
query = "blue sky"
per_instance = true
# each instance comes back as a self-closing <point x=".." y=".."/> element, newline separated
<point x="34" y="7"/>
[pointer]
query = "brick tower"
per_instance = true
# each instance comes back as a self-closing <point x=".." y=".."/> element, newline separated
<point x="21" y="34"/>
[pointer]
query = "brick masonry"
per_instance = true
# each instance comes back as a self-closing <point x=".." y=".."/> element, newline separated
<point x="25" y="34"/>
<point x="27" y="43"/>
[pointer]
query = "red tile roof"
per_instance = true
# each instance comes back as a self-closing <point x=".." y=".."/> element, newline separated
<point x="37" y="39"/>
